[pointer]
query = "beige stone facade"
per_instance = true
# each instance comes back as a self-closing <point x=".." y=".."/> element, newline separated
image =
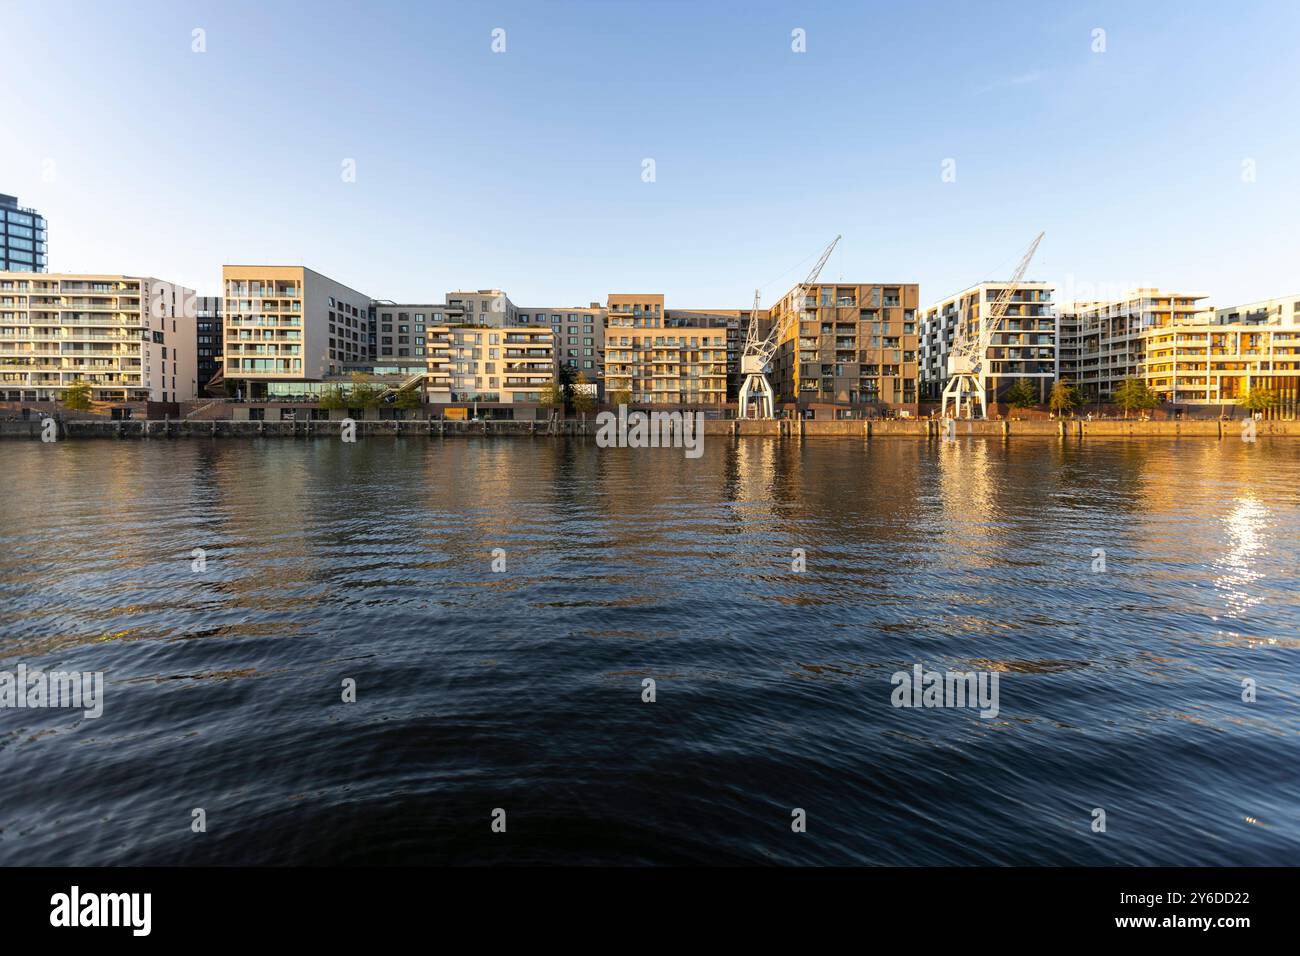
<point x="130" y="338"/>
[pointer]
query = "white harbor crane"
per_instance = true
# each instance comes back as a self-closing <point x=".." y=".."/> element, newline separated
<point x="968" y="359"/>
<point x="756" y="391"/>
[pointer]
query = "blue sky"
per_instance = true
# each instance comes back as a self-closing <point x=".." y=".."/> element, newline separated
<point x="523" y="169"/>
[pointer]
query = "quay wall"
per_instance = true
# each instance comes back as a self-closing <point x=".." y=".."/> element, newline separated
<point x="927" y="429"/>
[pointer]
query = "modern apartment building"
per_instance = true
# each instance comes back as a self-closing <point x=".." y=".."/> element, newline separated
<point x="22" y="237"/>
<point x="662" y="357"/>
<point x="850" y="344"/>
<point x="579" y="336"/>
<point x="491" y="365"/>
<point x="1023" y="347"/>
<point x="416" y="331"/>
<point x="286" y="326"/>
<point x="130" y="338"/>
<point x="1185" y="352"/>
<point x="736" y="323"/>
<point x="207" y="318"/>
<point x="1103" y="343"/>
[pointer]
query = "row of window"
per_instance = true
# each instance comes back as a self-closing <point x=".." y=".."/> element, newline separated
<point x="635" y="308"/>
<point x="558" y="317"/>
<point x="22" y="219"/>
<point x="239" y="289"/>
<point x="17" y="258"/>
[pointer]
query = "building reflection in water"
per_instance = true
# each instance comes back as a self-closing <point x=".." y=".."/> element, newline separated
<point x="968" y="520"/>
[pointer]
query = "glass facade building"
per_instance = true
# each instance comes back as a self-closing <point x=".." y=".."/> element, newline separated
<point x="22" y="237"/>
<point x="210" y="337"/>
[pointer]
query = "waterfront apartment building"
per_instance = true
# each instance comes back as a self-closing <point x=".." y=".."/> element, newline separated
<point x="208" y="341"/>
<point x="23" y="242"/>
<point x="1104" y="342"/>
<point x="577" y="333"/>
<point x="1023" y="347"/>
<point x="663" y="358"/>
<point x="492" y="365"/>
<point x="130" y="338"/>
<point x="851" y="344"/>
<point x="579" y="336"/>
<point x="1186" y="353"/>
<point x="736" y="323"/>
<point x="286" y="326"/>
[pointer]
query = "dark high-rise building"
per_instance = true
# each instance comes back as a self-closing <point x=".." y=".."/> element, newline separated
<point x="22" y="237"/>
<point x="208" y="330"/>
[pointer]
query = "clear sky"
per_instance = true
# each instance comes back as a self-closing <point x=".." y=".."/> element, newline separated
<point x="1172" y="158"/>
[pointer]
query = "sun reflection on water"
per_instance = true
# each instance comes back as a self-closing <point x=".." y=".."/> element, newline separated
<point x="1236" y="569"/>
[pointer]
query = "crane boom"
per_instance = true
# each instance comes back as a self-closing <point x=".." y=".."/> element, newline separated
<point x="758" y="354"/>
<point x="976" y="349"/>
<point x="751" y="336"/>
<point x="794" y="306"/>
<point x="966" y="360"/>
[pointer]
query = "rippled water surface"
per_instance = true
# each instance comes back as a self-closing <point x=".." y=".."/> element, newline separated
<point x="522" y="689"/>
